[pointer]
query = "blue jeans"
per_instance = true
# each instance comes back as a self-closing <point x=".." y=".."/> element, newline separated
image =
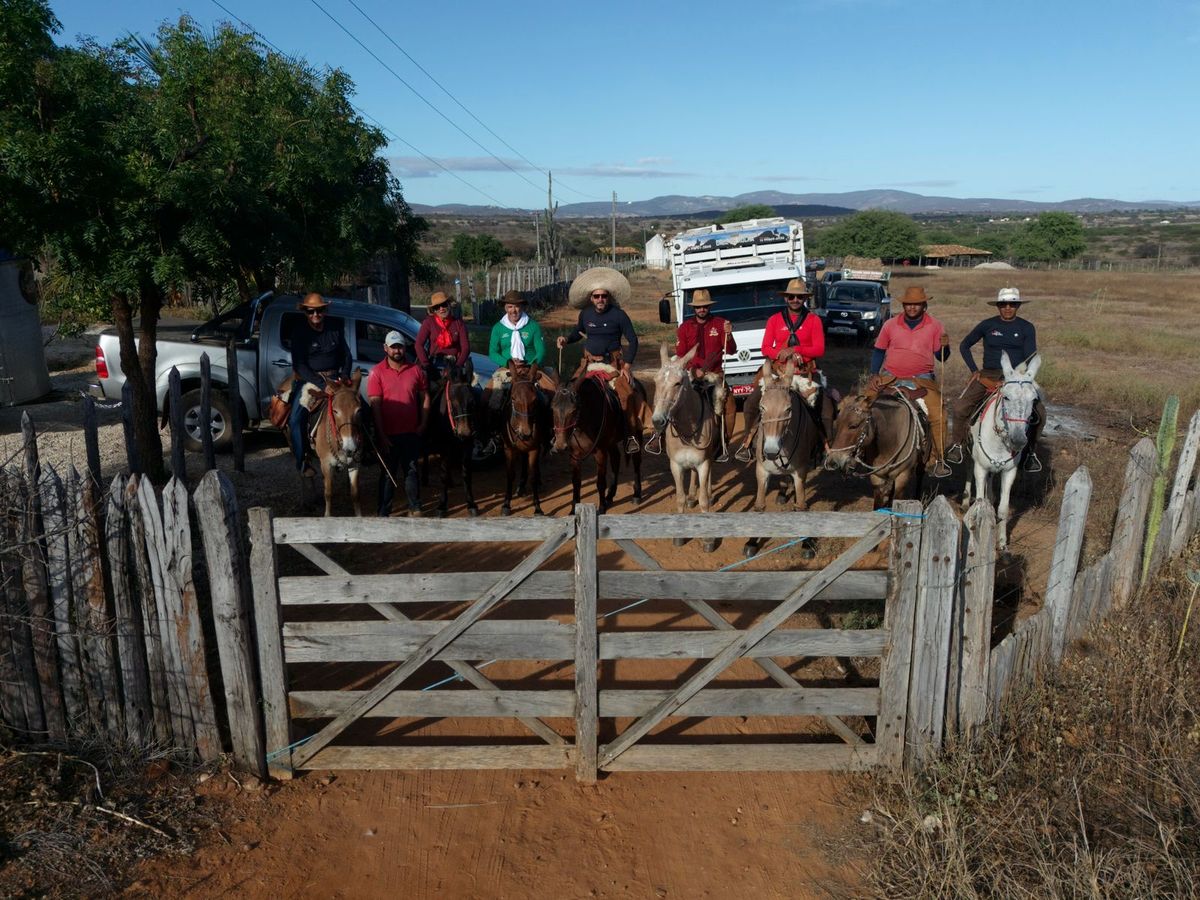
<point x="298" y="424"/>
<point x="401" y="458"/>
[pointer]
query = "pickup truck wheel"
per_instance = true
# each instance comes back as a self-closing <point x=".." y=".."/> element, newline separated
<point x="220" y="421"/>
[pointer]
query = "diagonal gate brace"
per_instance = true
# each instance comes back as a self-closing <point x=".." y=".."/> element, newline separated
<point x="435" y="645"/>
<point x="749" y="639"/>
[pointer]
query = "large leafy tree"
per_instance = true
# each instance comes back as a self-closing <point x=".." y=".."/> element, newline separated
<point x="190" y="158"/>
<point x="1051" y="236"/>
<point x="874" y="232"/>
<point x="742" y="213"/>
<point x="471" y="250"/>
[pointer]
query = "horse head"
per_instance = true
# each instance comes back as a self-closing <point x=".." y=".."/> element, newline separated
<point x="457" y="403"/>
<point x="776" y="410"/>
<point x="522" y="399"/>
<point x="342" y="409"/>
<point x="564" y="409"/>
<point x="667" y="384"/>
<point x="852" y="432"/>
<point x="1017" y="396"/>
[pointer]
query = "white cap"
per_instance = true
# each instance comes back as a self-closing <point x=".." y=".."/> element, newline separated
<point x="1011" y="295"/>
<point x="395" y="337"/>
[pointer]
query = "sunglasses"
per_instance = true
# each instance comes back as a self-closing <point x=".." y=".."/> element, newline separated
<point x="599" y="296"/>
<point x="315" y="312"/>
<point x="1009" y="304"/>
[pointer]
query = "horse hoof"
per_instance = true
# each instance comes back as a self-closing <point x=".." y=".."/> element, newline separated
<point x="750" y="549"/>
<point x="678" y="542"/>
<point x="506" y="510"/>
<point x="473" y="511"/>
<point x="808" y="553"/>
<point x="711" y="545"/>
<point x="537" y="511"/>
<point x="637" y="497"/>
<point x="441" y="513"/>
<point x="691" y="503"/>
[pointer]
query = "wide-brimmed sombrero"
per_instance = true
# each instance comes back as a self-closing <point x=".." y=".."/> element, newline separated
<point x="610" y="280"/>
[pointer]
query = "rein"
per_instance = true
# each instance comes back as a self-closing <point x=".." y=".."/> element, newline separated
<point x="526" y="414"/>
<point x="908" y="446"/>
<point x="691" y="440"/>
<point x="335" y="430"/>
<point x="784" y="460"/>
<point x="996" y="402"/>
<point x="571" y="426"/>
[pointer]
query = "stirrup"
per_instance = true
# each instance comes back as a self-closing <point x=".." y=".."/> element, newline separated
<point x="744" y="454"/>
<point x="940" y="469"/>
<point x="722" y="456"/>
<point x="632" y="446"/>
<point x="1032" y="463"/>
<point x="954" y="454"/>
<point x="653" y="444"/>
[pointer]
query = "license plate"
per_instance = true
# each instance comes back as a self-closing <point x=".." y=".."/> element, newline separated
<point x="741" y="390"/>
<point x="833" y="329"/>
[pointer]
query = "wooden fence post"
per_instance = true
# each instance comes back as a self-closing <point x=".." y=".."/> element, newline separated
<point x="217" y="514"/>
<point x="175" y="417"/>
<point x="587" y="701"/>
<point x="1178" y="508"/>
<point x="130" y="648"/>
<point x="20" y="673"/>
<point x="899" y="612"/>
<point x="263" y="573"/>
<point x="206" y="438"/>
<point x="931" y="638"/>
<point x="156" y="672"/>
<point x="974" y="619"/>
<point x="1130" y="526"/>
<point x="1068" y="542"/>
<point x="91" y="438"/>
<point x="55" y="527"/>
<point x="132" y="451"/>
<point x="235" y="406"/>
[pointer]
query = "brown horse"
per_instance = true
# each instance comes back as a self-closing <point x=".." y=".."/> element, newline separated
<point x="525" y="435"/>
<point x="887" y="440"/>
<point x="588" y="422"/>
<point x="453" y="416"/>
<point x="337" y="436"/>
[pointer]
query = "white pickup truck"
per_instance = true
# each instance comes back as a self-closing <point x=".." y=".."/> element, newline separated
<point x="261" y="331"/>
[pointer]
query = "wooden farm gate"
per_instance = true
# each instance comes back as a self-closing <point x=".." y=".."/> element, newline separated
<point x="470" y="620"/>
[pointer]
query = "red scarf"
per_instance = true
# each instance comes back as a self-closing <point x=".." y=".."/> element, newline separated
<point x="442" y="338"/>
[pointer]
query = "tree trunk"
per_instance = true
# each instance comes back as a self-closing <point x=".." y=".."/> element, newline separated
<point x="398" y="275"/>
<point x="138" y="356"/>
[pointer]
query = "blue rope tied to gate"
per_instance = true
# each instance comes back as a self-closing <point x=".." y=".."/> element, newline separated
<point x="275" y="754"/>
<point x="899" y="515"/>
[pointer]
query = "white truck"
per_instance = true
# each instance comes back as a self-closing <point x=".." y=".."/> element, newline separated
<point x="744" y="266"/>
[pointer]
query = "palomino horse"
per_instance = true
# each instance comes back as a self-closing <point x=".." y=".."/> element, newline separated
<point x="787" y="442"/>
<point x="887" y="440"/>
<point x="692" y="434"/>
<point x="453" y="418"/>
<point x="588" y="422"/>
<point x="525" y="435"/>
<point x="337" y="435"/>
<point x="1000" y="434"/>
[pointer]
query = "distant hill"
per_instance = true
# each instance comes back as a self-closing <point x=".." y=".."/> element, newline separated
<point x="789" y="210"/>
<point x="680" y="206"/>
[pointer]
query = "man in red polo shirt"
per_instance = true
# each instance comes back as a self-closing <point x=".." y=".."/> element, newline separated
<point x="399" y="396"/>
<point x="712" y="337"/>
<point x="905" y="351"/>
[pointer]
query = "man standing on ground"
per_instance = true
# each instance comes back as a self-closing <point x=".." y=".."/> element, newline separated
<point x="905" y="351"/>
<point x="398" y="392"/>
<point x="319" y="355"/>
<point x="1005" y="332"/>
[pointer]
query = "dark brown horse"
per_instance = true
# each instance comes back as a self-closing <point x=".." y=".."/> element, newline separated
<point x="588" y="422"/>
<point x="452" y="423"/>
<point x="337" y="436"/>
<point x="525" y="435"/>
<point x="886" y="440"/>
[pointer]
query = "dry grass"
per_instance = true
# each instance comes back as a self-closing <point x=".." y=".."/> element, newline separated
<point x="1088" y="787"/>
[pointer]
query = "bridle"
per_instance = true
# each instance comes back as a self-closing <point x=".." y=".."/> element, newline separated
<point x="1000" y="417"/>
<point x="515" y="410"/>
<point x="570" y="425"/>
<point x="867" y="434"/>
<point x="692" y="440"/>
<point x="783" y="460"/>
<point x="335" y="430"/>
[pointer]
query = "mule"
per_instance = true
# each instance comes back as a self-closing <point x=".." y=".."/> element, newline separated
<point x="688" y="420"/>
<point x="525" y="435"/>
<point x="337" y="435"/>
<point x="999" y="436"/>
<point x="788" y="441"/>
<point x="887" y="439"/>
<point x="454" y="415"/>
<point x="588" y="422"/>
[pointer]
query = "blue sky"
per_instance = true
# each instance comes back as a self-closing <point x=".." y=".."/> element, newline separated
<point x="1045" y="101"/>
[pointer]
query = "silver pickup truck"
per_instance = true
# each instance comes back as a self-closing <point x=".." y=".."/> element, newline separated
<point x="261" y="331"/>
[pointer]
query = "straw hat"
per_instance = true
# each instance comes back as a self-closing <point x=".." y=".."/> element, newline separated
<point x="1007" y="295"/>
<point x="313" y="301"/>
<point x="796" y="287"/>
<point x="600" y="277"/>
<point x="513" y="297"/>
<point x="436" y="299"/>
<point x="915" y="294"/>
<point x="701" y="297"/>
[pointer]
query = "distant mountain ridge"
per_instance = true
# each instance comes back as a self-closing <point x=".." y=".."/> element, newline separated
<point x="900" y="201"/>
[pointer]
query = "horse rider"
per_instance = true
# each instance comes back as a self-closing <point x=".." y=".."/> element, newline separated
<point x="905" y="352"/>
<point x="792" y="333"/>
<point x="712" y="336"/>
<point x="1005" y="332"/>
<point x="442" y="341"/>
<point x="515" y="337"/>
<point x="398" y="392"/>
<point x="601" y="326"/>
<point x="320" y="356"/>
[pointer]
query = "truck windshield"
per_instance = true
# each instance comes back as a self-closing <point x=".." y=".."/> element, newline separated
<point x="753" y="302"/>
<point x="855" y="293"/>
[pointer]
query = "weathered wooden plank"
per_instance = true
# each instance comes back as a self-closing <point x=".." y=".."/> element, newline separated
<point x="233" y="379"/>
<point x="1000" y="673"/>
<point x="92" y="618"/>
<point x="228" y="582"/>
<point x="143" y="582"/>
<point x="898" y="621"/>
<point x="931" y="637"/>
<point x="25" y="703"/>
<point x="490" y="757"/>
<point x="745" y="758"/>
<point x="442" y="587"/>
<point x="29" y="446"/>
<point x="738" y="525"/>
<point x="55" y="526"/>
<point x="1178" y="506"/>
<point x="271" y="671"/>
<point x="132" y="451"/>
<point x="758" y="701"/>
<point x="1186" y="526"/>
<point x="1130" y="527"/>
<point x="746" y="642"/>
<point x="131" y="651"/>
<point x="41" y="611"/>
<point x="1105" y="590"/>
<point x="335" y="530"/>
<point x="1064" y="564"/>
<point x="91" y="438"/>
<point x="437" y="643"/>
<point x="167" y="604"/>
<point x="978" y="584"/>
<point x="586" y="645"/>
<point x="305" y="642"/>
<point x="438" y="704"/>
<point x="206" y="439"/>
<point x="177" y="534"/>
<point x="175" y="417"/>
<point x="787" y="643"/>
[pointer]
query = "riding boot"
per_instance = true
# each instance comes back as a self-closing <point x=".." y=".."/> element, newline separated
<point x="631" y="409"/>
<point x="745" y="453"/>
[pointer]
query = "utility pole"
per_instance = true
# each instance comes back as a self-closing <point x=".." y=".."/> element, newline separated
<point x="613" y="248"/>
<point x="537" y="236"/>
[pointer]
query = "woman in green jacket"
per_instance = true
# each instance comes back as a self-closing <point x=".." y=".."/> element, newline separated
<point x="515" y="336"/>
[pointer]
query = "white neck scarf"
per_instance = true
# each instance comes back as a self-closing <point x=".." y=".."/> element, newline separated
<point x="517" y="347"/>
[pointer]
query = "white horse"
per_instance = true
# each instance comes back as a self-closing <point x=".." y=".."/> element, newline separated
<point x="1000" y="434"/>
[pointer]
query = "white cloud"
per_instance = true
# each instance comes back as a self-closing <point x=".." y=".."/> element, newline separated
<point x="420" y="167"/>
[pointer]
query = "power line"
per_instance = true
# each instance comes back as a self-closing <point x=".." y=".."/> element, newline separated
<point x="445" y="90"/>
<point x="362" y="112"/>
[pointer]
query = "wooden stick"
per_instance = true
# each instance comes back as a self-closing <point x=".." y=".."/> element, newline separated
<point x="206" y="438"/>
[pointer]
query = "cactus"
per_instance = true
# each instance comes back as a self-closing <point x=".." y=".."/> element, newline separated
<point x="1165" y="445"/>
